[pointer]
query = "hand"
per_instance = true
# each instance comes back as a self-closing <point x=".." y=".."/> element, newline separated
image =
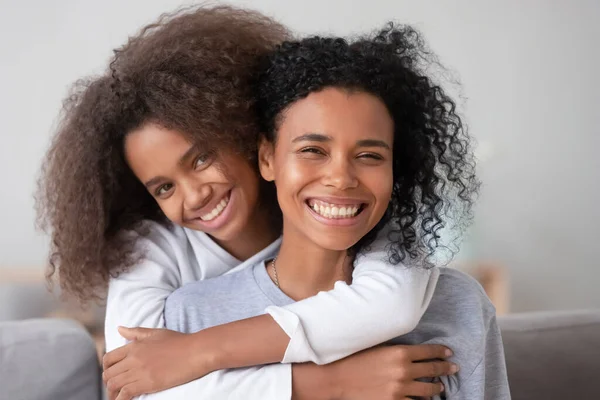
<point x="390" y="372"/>
<point x="155" y="360"/>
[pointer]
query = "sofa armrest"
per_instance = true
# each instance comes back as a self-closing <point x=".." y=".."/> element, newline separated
<point x="48" y="359"/>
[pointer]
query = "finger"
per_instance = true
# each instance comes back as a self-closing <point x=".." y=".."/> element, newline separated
<point x="136" y="333"/>
<point x="129" y="391"/>
<point x="423" y="389"/>
<point x="432" y="369"/>
<point x="423" y="352"/>
<point x="115" y="369"/>
<point x="112" y="394"/>
<point x="114" y="356"/>
<point x="117" y="383"/>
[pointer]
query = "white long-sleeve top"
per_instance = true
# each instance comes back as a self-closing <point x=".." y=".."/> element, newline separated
<point x="384" y="301"/>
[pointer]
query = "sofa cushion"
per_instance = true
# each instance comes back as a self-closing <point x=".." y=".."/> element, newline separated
<point x="552" y="355"/>
<point x="48" y="359"/>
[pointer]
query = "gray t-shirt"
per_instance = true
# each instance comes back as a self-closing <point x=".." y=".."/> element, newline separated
<point x="459" y="316"/>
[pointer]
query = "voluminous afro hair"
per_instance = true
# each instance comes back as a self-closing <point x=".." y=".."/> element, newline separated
<point x="434" y="171"/>
<point x="190" y="71"/>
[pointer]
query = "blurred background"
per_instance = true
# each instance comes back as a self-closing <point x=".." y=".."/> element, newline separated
<point x="529" y="90"/>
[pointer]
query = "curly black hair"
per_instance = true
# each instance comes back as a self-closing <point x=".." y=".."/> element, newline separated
<point x="434" y="169"/>
<point x="190" y="71"/>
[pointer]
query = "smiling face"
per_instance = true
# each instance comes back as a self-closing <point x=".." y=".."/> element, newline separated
<point x="216" y="194"/>
<point x="332" y="165"/>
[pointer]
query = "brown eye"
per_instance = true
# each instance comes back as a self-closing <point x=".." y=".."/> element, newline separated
<point x="312" y="150"/>
<point x="201" y="161"/>
<point x="163" y="189"/>
<point x="371" y="156"/>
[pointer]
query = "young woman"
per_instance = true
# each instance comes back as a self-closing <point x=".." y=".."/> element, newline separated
<point x="152" y="183"/>
<point x="347" y="123"/>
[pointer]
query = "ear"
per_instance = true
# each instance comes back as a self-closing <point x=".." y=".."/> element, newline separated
<point x="266" y="151"/>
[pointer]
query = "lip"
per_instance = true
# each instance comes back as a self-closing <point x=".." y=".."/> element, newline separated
<point x="338" y="222"/>
<point x="219" y="221"/>
<point x="337" y="200"/>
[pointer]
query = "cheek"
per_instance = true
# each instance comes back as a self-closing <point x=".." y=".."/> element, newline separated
<point x="294" y="172"/>
<point x="380" y="183"/>
<point x="171" y="209"/>
<point x="291" y="177"/>
<point x="240" y="174"/>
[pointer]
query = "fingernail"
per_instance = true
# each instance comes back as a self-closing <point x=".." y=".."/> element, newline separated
<point x="448" y="352"/>
<point x="454" y="368"/>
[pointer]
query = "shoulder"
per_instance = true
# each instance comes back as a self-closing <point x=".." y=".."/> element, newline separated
<point x="462" y="287"/>
<point x="212" y="291"/>
<point x="156" y="249"/>
<point x="459" y="294"/>
<point x="214" y="301"/>
<point x="163" y="243"/>
<point x="461" y="309"/>
<point x="457" y="278"/>
<point x="152" y="235"/>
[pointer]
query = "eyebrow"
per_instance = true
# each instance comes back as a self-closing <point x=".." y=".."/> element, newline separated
<point x="317" y="137"/>
<point x="187" y="154"/>
<point x="153" y="181"/>
<point x="193" y="149"/>
<point x="312" y="137"/>
<point x="373" y="143"/>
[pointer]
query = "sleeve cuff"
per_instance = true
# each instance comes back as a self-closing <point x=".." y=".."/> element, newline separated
<point x="298" y="350"/>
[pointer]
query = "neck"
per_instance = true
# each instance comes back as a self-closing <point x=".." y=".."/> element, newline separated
<point x="257" y="235"/>
<point x="305" y="268"/>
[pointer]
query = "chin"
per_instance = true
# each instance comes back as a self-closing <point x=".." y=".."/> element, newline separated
<point x="335" y="243"/>
<point x="227" y="233"/>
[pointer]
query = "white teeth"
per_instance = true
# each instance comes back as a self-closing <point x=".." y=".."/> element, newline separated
<point x="334" y="211"/>
<point x="215" y="211"/>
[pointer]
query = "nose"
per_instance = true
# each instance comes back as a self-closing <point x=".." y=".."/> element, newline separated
<point x="196" y="195"/>
<point x="340" y="174"/>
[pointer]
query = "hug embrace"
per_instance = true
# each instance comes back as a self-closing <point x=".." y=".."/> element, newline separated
<point x="266" y="212"/>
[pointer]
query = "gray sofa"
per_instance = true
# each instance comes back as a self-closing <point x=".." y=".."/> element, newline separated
<point x="552" y="355"/>
<point x="549" y="356"/>
<point x="48" y="359"/>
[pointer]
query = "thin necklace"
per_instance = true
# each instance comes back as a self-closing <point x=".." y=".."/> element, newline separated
<point x="275" y="272"/>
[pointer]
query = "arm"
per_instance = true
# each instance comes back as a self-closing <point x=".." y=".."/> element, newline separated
<point x="380" y="292"/>
<point x="383" y="373"/>
<point x="137" y="297"/>
<point x="488" y="380"/>
<point x="383" y="302"/>
<point x="270" y="382"/>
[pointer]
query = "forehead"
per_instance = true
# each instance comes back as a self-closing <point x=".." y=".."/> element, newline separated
<point x="153" y="137"/>
<point x="152" y="147"/>
<point x="335" y="111"/>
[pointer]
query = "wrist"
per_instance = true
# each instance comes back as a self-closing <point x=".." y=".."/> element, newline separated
<point x="253" y="341"/>
<point x="333" y="381"/>
<point x="206" y="358"/>
<point x="314" y="382"/>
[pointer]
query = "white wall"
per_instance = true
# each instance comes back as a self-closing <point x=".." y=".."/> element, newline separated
<point x="528" y="69"/>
